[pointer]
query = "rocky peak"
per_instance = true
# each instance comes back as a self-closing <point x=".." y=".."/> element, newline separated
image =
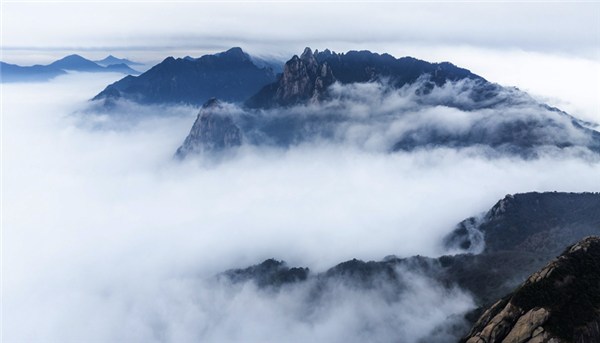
<point x="309" y="59"/>
<point x="307" y="55"/>
<point x="500" y="208"/>
<point x="303" y="79"/>
<point x="213" y="130"/>
<point x="559" y="303"/>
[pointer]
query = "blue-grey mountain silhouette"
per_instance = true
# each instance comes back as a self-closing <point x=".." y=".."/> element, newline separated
<point x="230" y="76"/>
<point x="15" y="73"/>
<point x="110" y="59"/>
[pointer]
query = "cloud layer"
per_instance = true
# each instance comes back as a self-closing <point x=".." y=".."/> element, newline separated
<point x="107" y="237"/>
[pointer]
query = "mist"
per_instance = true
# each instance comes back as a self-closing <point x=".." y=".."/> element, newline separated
<point x="107" y="237"/>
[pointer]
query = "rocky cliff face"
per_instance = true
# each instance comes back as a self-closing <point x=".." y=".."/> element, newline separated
<point x="303" y="80"/>
<point x="559" y="303"/>
<point x="213" y="130"/>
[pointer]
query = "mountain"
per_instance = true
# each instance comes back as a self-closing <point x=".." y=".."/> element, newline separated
<point x="512" y="244"/>
<point x="15" y="73"/>
<point x="403" y="103"/>
<point x="230" y="76"/>
<point x="559" y="303"/>
<point x="110" y="59"/>
<point x="308" y="76"/>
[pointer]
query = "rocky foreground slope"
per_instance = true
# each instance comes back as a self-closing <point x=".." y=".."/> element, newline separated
<point x="559" y="303"/>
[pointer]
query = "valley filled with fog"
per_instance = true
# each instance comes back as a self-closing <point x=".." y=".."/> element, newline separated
<point x="111" y="238"/>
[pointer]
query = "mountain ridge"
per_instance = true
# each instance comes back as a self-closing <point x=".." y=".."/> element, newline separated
<point x="230" y="76"/>
<point x="306" y="77"/>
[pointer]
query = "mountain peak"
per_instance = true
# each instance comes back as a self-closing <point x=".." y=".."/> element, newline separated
<point x="214" y="130"/>
<point x="73" y="57"/>
<point x="307" y="54"/>
<point x="76" y="62"/>
<point x="212" y="103"/>
<point x="235" y="53"/>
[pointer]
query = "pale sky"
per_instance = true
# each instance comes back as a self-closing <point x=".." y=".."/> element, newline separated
<point x="279" y="28"/>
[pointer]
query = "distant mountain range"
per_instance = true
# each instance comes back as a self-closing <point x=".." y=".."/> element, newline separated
<point x="515" y="238"/>
<point x="404" y="104"/>
<point x="16" y="73"/>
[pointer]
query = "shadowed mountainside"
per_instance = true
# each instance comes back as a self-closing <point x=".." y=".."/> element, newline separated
<point x="496" y="269"/>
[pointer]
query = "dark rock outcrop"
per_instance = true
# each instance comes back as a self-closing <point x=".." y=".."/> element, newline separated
<point x="230" y="76"/>
<point x="213" y="130"/>
<point x="559" y="303"/>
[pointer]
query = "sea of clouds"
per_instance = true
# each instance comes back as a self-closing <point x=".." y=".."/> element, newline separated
<point x="107" y="237"/>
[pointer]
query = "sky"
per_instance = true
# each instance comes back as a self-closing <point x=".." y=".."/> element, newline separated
<point x="106" y="237"/>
